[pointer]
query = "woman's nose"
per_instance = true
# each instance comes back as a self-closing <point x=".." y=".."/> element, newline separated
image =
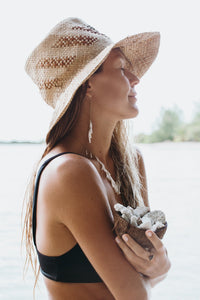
<point x="133" y="79"/>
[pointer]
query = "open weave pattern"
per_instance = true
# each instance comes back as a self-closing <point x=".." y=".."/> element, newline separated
<point x="87" y="28"/>
<point x="48" y="84"/>
<point x="71" y="53"/>
<point x="65" y="41"/>
<point x="55" y="62"/>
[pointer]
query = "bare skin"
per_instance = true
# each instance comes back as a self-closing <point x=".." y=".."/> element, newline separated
<point x="157" y="268"/>
<point x="67" y="214"/>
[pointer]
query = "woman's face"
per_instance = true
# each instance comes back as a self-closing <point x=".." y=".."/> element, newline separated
<point x="113" y="89"/>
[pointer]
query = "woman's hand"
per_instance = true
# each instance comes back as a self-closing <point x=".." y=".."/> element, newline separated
<point x="154" y="263"/>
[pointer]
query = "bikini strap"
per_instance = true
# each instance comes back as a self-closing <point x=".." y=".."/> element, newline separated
<point x="36" y="191"/>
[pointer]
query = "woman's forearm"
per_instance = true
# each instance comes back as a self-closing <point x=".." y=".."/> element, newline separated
<point x="148" y="286"/>
<point x="144" y="292"/>
<point x="139" y="290"/>
<point x="156" y="280"/>
<point x="153" y="281"/>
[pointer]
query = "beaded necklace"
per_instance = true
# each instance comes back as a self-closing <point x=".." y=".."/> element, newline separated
<point x="115" y="184"/>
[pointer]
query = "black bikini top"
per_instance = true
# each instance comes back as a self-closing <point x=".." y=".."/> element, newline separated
<point x="72" y="266"/>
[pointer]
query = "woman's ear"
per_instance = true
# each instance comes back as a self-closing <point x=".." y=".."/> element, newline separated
<point x="89" y="89"/>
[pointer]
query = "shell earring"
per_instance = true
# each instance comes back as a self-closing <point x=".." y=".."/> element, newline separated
<point x="90" y="131"/>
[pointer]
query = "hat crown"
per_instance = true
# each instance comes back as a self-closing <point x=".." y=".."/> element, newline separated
<point x="66" y="50"/>
<point x="73" y="26"/>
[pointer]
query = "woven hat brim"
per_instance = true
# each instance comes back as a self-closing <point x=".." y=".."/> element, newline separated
<point x="141" y="50"/>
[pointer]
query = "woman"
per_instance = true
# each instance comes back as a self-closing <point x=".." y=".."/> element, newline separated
<point x="87" y="166"/>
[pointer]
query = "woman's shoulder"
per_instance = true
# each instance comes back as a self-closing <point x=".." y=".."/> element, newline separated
<point x="72" y="183"/>
<point x="68" y="172"/>
<point x="67" y="164"/>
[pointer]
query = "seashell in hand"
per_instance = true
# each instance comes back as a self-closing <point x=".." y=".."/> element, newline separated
<point x="136" y="221"/>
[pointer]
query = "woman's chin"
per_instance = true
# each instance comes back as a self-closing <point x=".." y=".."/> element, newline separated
<point x="134" y="110"/>
<point x="132" y="114"/>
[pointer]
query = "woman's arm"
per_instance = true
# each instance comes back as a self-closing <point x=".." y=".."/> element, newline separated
<point x="155" y="281"/>
<point x="82" y="206"/>
<point x="157" y="268"/>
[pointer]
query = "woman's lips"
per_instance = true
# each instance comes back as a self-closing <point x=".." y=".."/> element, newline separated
<point x="132" y="98"/>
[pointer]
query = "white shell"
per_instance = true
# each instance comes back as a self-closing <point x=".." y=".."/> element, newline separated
<point x="150" y="220"/>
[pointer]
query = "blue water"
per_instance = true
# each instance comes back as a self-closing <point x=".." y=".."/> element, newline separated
<point x="173" y="174"/>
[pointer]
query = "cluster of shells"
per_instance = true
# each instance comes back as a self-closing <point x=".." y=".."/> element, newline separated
<point x="136" y="221"/>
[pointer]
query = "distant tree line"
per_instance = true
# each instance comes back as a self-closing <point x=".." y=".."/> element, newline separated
<point x="171" y="127"/>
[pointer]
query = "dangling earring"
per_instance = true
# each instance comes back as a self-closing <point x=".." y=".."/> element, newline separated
<point x="90" y="132"/>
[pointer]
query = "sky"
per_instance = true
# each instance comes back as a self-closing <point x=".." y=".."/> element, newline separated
<point x="172" y="80"/>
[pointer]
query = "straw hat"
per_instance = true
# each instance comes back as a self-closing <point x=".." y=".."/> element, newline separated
<point x="73" y="51"/>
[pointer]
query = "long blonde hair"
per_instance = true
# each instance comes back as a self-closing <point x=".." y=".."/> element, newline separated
<point x="125" y="160"/>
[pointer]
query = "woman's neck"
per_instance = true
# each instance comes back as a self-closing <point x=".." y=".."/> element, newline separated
<point x="102" y="128"/>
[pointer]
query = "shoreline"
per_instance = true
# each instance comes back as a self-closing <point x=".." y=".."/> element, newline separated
<point x="43" y="142"/>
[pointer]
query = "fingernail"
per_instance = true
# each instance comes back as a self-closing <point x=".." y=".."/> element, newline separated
<point x="117" y="239"/>
<point x="125" y="238"/>
<point x="149" y="233"/>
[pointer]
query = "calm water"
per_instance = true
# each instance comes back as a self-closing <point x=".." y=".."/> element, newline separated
<point x="173" y="173"/>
